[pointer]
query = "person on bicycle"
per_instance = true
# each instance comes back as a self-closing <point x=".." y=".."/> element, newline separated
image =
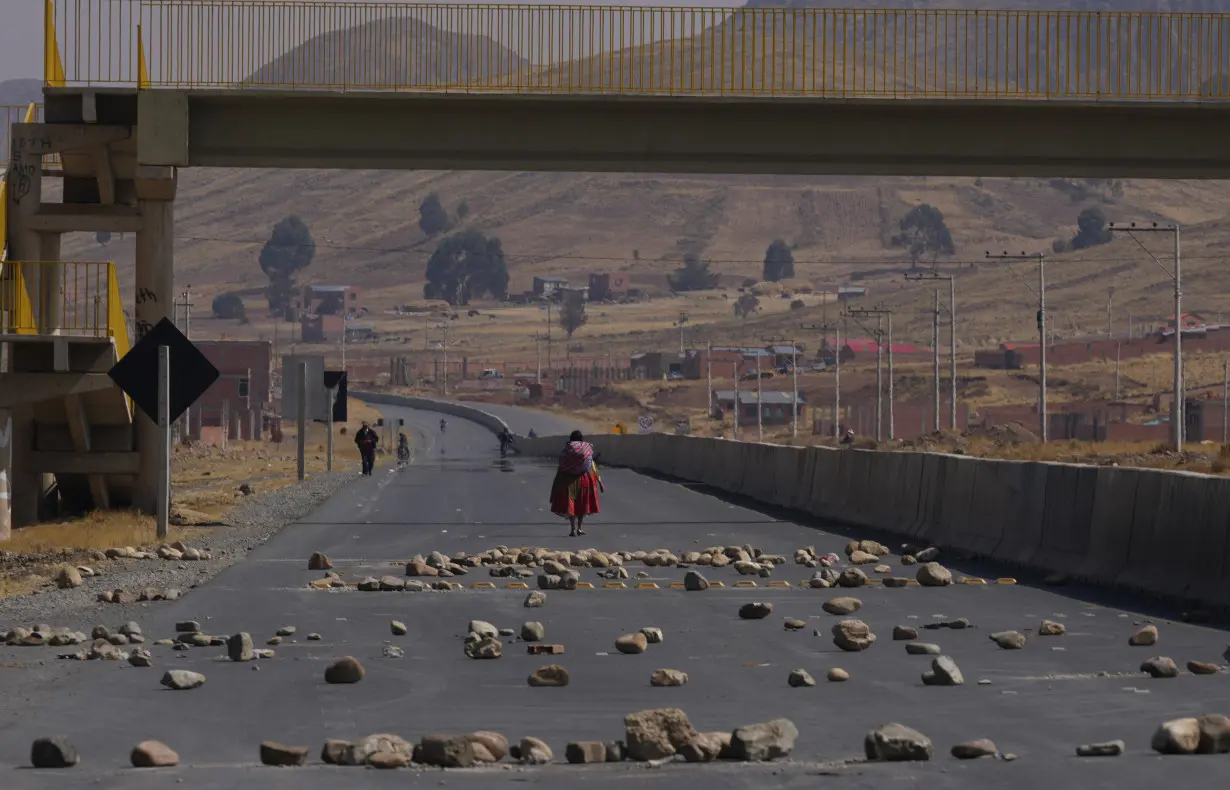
<point x="403" y="448"/>
<point x="506" y="440"/>
<point x="532" y="434"/>
<point x="443" y="424"/>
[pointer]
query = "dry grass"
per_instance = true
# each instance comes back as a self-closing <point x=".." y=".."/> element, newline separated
<point x="97" y="530"/>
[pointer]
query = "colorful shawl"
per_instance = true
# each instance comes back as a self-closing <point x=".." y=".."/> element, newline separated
<point x="577" y="458"/>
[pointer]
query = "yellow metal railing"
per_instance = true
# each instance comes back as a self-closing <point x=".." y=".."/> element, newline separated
<point x="919" y="53"/>
<point x="76" y="298"/>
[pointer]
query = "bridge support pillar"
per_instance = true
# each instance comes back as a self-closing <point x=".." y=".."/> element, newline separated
<point x="154" y="284"/>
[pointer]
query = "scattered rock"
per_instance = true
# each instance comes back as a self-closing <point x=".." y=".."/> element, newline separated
<point x="1051" y="628"/>
<point x="1105" y="749"/>
<point x="53" y="751"/>
<point x="896" y="743"/>
<point x="484" y="648"/>
<point x="398" y="628"/>
<point x="1203" y="668"/>
<point x="280" y="754"/>
<point x="345" y="670"/>
<point x="765" y="741"/>
<point x="319" y="562"/>
<point x="1177" y="736"/>
<point x="388" y="761"/>
<point x="489" y="746"/>
<point x="361" y="751"/>
<point x="653" y="635"/>
<point x="484" y="629"/>
<point x="585" y="752"/>
<point x="239" y="647"/>
<point x="909" y="559"/>
<point x="932" y="574"/>
<point x="447" y="751"/>
<point x="616" y="752"/>
<point x="153" y="754"/>
<point x="695" y="582"/>
<point x="853" y="635"/>
<point x="842" y="606"/>
<point x="706" y="747"/>
<point x="972" y="750"/>
<point x="903" y="633"/>
<point x="668" y="677"/>
<point x="928" y="555"/>
<point x="314" y="637"/>
<point x="533" y="631"/>
<point x="183" y="680"/>
<point x="535" y="752"/>
<point x="631" y="643"/>
<point x="1160" y="667"/>
<point x="852" y="577"/>
<point x="1145" y="636"/>
<point x="274" y="641"/>
<point x="794" y="624"/>
<point x="755" y="611"/>
<point x="333" y="752"/>
<point x="552" y="676"/>
<point x="392" y="651"/>
<point x="838" y="675"/>
<point x="944" y="672"/>
<point x="799" y="678"/>
<point x="656" y="733"/>
<point x="420" y="568"/>
<point x="1214" y="734"/>
<point x="390" y="584"/>
<point x="535" y="598"/>
<point x="863" y="558"/>
<point x="140" y="658"/>
<point x="68" y="578"/>
<point x="286" y="630"/>
<point x="1009" y="640"/>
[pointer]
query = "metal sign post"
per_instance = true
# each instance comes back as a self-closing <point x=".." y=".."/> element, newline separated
<point x="163" y="504"/>
<point x="329" y="439"/>
<point x="301" y="416"/>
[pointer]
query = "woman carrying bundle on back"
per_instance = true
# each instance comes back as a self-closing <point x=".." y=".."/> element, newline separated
<point x="574" y="493"/>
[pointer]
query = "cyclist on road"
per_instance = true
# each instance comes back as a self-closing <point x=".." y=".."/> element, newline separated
<point x="443" y="424"/>
<point x="403" y="448"/>
<point x="506" y="441"/>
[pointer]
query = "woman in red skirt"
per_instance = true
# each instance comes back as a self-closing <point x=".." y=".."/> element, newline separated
<point x="574" y="493"/>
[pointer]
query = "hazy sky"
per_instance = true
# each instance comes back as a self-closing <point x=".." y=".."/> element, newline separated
<point x="21" y="25"/>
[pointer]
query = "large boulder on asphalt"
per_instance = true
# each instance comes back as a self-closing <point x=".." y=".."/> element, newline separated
<point x="447" y="751"/>
<point x="1177" y="736"/>
<point x="183" y="680"/>
<point x="631" y="643"/>
<point x="153" y="754"/>
<point x="944" y="672"/>
<point x="842" y="605"/>
<point x="757" y="610"/>
<point x="484" y="648"/>
<point x="656" y="733"/>
<point x="319" y="562"/>
<point x="551" y="676"/>
<point x="765" y="741"/>
<point x="360" y="752"/>
<point x="273" y="753"/>
<point x="53" y="751"/>
<point x="534" y="751"/>
<point x="896" y="743"/>
<point x="1214" y="734"/>
<point x="852" y="577"/>
<point x="932" y="574"/>
<point x="1009" y="640"/>
<point x="1160" y="667"/>
<point x="580" y="752"/>
<point x="1144" y="636"/>
<point x="68" y="577"/>
<point x="706" y="747"/>
<point x="344" y="670"/>
<point x="484" y="629"/>
<point x="239" y="647"/>
<point x="489" y="746"/>
<point x="695" y="582"/>
<point x="668" y="677"/>
<point x="853" y="635"/>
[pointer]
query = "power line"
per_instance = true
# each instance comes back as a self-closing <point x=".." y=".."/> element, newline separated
<point x="618" y="258"/>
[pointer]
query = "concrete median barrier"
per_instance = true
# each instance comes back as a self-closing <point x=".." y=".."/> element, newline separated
<point x="800" y="494"/>
<point x="1110" y="524"/>
<point x="1022" y="511"/>
<point x="461" y="410"/>
<point x="956" y="485"/>
<point x="1067" y="517"/>
<point x="1210" y="568"/>
<point x="821" y="502"/>
<point x="931" y="491"/>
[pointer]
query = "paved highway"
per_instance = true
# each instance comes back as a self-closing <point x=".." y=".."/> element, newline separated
<point x="1041" y="702"/>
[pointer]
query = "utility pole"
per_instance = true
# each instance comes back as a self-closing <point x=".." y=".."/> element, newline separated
<point x="538" y="354"/>
<point x="1118" y="348"/>
<point x="759" y="404"/>
<point x="709" y="377"/>
<point x="935" y="353"/>
<point x="1225" y="402"/>
<point x="824" y="328"/>
<point x="1177" y="405"/>
<point x="929" y="274"/>
<point x="683" y="319"/>
<point x="737" y="404"/>
<point x="301" y="416"/>
<point x="1110" y="298"/>
<point x="329" y="438"/>
<point x="881" y="313"/>
<point x="1041" y="294"/>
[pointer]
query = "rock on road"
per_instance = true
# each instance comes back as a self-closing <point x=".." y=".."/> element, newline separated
<point x="1042" y="701"/>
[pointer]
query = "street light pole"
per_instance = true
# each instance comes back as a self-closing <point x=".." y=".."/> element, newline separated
<point x="880" y="314"/>
<point x="952" y="320"/>
<point x="935" y="353"/>
<point x="1177" y="406"/>
<point x="1041" y="294"/>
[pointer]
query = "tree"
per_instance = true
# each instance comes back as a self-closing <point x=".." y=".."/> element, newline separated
<point x="923" y="232"/>
<point x="290" y="249"/>
<point x="229" y="305"/>
<point x="1091" y="229"/>
<point x="463" y="210"/>
<point x="778" y="262"/>
<point x="433" y="219"/>
<point x="694" y="275"/>
<point x="466" y="264"/>
<point x="746" y="304"/>
<point x="103" y="237"/>
<point x="572" y="314"/>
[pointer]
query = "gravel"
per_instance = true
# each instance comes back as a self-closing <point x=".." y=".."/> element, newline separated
<point x="253" y="521"/>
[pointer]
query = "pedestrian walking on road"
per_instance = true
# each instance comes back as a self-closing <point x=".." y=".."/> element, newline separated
<point x="366" y="440"/>
<point x="574" y="492"/>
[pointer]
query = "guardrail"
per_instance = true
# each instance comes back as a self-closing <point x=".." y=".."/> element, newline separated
<point x="82" y="299"/>
<point x="1161" y="532"/>
<point x="524" y="48"/>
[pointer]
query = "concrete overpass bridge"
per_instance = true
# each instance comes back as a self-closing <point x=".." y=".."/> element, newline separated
<point x="136" y="89"/>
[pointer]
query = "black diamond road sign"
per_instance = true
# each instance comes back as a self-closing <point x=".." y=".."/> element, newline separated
<point x="137" y="373"/>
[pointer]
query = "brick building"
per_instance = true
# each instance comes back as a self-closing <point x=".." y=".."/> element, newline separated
<point x="242" y="393"/>
<point x="323" y="310"/>
<point x="603" y="286"/>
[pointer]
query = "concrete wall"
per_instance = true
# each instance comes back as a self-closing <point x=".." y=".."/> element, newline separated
<point x="461" y="410"/>
<point x="1166" y="533"/>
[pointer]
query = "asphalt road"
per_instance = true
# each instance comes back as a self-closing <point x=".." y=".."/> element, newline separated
<point x="459" y="495"/>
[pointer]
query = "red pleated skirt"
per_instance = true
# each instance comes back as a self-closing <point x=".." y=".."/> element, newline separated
<point x="573" y="495"/>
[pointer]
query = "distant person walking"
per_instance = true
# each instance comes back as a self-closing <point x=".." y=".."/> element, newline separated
<point x="366" y="440"/>
<point x="574" y="492"/>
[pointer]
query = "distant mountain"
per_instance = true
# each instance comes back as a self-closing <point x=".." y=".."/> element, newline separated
<point x="410" y="53"/>
<point x="21" y="91"/>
